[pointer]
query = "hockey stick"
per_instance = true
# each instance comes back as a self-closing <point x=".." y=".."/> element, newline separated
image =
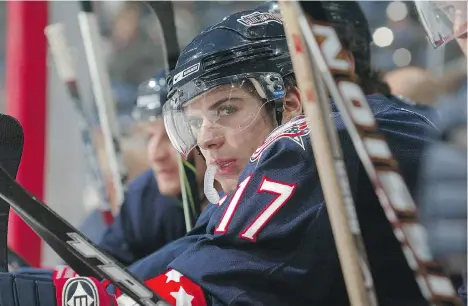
<point x="331" y="169"/>
<point x="165" y="12"/>
<point x="378" y="161"/>
<point x="103" y="97"/>
<point x="83" y="256"/>
<point x="11" y="149"/>
<point x="66" y="71"/>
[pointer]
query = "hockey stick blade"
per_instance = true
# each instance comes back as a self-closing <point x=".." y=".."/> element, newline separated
<point x="11" y="149"/>
<point x="378" y="161"/>
<point x="83" y="256"/>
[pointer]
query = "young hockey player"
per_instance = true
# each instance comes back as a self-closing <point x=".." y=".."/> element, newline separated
<point x="268" y="242"/>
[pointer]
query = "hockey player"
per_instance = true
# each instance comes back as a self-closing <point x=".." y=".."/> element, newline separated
<point x="268" y="242"/>
<point x="152" y="215"/>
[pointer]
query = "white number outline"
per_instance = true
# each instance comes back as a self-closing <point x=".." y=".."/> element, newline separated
<point x="282" y="191"/>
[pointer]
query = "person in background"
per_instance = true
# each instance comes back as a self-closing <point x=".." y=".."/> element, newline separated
<point x="152" y="214"/>
<point x="443" y="192"/>
<point x="415" y="84"/>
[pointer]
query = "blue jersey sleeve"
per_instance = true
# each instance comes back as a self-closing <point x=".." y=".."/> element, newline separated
<point x="157" y="262"/>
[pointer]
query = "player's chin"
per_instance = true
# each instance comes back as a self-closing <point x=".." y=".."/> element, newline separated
<point x="228" y="184"/>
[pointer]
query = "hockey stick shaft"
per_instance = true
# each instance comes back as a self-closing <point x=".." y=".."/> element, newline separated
<point x="378" y="162"/>
<point x="103" y="97"/>
<point x="331" y="169"/>
<point x="165" y="16"/>
<point x="83" y="256"/>
<point x="66" y="71"/>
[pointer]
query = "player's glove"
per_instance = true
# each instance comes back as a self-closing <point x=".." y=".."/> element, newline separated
<point x="41" y="289"/>
<point x="172" y="286"/>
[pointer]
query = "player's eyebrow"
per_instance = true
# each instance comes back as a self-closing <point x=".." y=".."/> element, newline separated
<point x="221" y="101"/>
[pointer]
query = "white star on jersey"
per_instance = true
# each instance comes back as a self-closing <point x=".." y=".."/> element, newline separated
<point x="173" y="275"/>
<point x="182" y="297"/>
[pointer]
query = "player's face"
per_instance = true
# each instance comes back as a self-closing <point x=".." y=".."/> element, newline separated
<point x="230" y="124"/>
<point x="163" y="159"/>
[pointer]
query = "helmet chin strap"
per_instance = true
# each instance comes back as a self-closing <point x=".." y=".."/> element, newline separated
<point x="279" y="111"/>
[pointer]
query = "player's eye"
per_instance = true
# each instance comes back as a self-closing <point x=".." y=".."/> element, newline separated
<point x="227" y="110"/>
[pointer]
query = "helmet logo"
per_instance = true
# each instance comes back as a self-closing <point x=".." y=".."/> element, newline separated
<point x="186" y="72"/>
<point x="274" y="85"/>
<point x="257" y="18"/>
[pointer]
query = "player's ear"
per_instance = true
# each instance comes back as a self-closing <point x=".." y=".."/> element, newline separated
<point x="292" y="104"/>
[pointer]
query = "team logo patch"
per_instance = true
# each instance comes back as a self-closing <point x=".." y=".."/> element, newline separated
<point x="295" y="130"/>
<point x="80" y="291"/>
<point x="186" y="72"/>
<point x="257" y="18"/>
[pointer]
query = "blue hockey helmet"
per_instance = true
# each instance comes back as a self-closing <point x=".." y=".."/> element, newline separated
<point x="246" y="50"/>
<point x="152" y="94"/>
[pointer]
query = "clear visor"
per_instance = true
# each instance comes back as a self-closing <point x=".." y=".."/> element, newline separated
<point x="203" y="112"/>
<point x="443" y="20"/>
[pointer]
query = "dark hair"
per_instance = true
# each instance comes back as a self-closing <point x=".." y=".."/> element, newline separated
<point x="370" y="79"/>
<point x="352" y="28"/>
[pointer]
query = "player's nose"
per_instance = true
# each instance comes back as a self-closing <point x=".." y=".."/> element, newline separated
<point x="210" y="138"/>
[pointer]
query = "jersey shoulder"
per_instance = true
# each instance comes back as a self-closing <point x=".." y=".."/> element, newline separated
<point x="293" y="135"/>
<point x="385" y="107"/>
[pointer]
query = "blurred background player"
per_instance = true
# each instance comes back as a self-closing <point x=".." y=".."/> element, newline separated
<point x="443" y="195"/>
<point x="415" y="84"/>
<point x="152" y="213"/>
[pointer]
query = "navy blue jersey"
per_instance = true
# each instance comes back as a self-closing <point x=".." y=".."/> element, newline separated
<point x="270" y="242"/>
<point x="157" y="262"/>
<point x="147" y="221"/>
